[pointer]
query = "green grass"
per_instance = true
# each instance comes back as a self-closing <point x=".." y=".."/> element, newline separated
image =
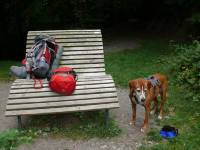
<point x="140" y="62"/>
<point x="5" y="69"/>
<point x="12" y="138"/>
<point x="79" y="125"/>
<point x="75" y="126"/>
<point x="151" y="57"/>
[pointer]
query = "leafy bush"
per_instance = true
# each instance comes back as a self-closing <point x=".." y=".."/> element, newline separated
<point x="10" y="139"/>
<point x="195" y="19"/>
<point x="88" y="125"/>
<point x="183" y="71"/>
<point x="186" y="68"/>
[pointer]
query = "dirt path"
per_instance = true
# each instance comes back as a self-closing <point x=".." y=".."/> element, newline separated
<point x="116" y="41"/>
<point x="128" y="139"/>
<point x="5" y="123"/>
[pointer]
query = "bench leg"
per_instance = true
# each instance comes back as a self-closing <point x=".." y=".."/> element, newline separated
<point x="19" y="122"/>
<point x="106" y="117"/>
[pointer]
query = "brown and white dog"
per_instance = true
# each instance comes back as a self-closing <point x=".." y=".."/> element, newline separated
<point x="144" y="91"/>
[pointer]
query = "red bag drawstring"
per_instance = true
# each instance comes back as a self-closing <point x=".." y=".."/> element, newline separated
<point x="35" y="82"/>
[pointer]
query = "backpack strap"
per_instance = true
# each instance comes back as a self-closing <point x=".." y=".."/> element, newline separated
<point x="35" y="83"/>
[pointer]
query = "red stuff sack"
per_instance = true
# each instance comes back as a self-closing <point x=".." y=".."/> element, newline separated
<point x="63" y="80"/>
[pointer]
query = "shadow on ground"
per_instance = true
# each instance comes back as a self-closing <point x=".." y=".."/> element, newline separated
<point x="128" y="139"/>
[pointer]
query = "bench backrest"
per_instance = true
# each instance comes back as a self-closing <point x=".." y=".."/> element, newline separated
<point x="83" y="49"/>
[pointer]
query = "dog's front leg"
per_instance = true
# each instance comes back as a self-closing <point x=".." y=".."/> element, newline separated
<point x="133" y="104"/>
<point x="146" y="117"/>
<point x="154" y="110"/>
<point x="133" y="113"/>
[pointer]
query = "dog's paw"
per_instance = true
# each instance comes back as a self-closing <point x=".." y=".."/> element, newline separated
<point x="132" y="123"/>
<point x="143" y="129"/>
<point x="160" y="117"/>
<point x="152" y="112"/>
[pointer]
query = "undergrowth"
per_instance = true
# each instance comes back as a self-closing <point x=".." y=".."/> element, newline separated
<point x="4" y="69"/>
<point x="12" y="138"/>
<point x="139" y="62"/>
<point x="75" y="126"/>
<point x="181" y="64"/>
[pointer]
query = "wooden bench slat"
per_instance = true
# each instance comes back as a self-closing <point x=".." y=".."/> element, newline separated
<point x="43" y="94"/>
<point x="62" y="109"/>
<point x="59" y="41"/>
<point x="92" y="74"/>
<point x="82" y="44"/>
<point x="70" y="36"/>
<point x="82" y="57"/>
<point x="64" y="33"/>
<point x="90" y="70"/>
<point x="62" y="98"/>
<point x="45" y="89"/>
<point x="83" y="48"/>
<point x="82" y="61"/>
<point x="76" y="30"/>
<point x="85" y="66"/>
<point x="61" y="104"/>
<point x="79" y="82"/>
<point x="19" y="84"/>
<point x="75" y="44"/>
<point x="82" y="52"/>
<point x="80" y="79"/>
<point x="30" y="85"/>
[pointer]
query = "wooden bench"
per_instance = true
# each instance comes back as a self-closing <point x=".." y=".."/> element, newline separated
<point x="83" y="51"/>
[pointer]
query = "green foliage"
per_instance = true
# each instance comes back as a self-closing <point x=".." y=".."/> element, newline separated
<point x="10" y="139"/>
<point x="181" y="110"/>
<point x="87" y="125"/>
<point x="153" y="135"/>
<point x="83" y="14"/>
<point x="4" y="69"/>
<point x="183" y="117"/>
<point x="195" y="18"/>
<point x="186" y="68"/>
<point x="184" y="98"/>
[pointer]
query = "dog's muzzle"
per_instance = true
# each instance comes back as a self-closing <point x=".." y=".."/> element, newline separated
<point x="136" y="100"/>
<point x="142" y="102"/>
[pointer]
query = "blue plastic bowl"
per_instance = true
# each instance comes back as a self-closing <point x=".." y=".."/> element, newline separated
<point x="168" y="134"/>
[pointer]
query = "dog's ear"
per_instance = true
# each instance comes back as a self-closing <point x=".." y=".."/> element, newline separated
<point x="149" y="85"/>
<point x="132" y="85"/>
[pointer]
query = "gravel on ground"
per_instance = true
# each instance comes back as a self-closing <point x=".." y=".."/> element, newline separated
<point x="129" y="139"/>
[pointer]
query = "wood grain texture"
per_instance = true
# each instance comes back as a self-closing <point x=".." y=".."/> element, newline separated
<point x="46" y="88"/>
<point x="49" y="94"/>
<point x="62" y="109"/>
<point x="83" y="51"/>
<point x="62" y="98"/>
<point x="61" y="104"/>
<point x="68" y="40"/>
